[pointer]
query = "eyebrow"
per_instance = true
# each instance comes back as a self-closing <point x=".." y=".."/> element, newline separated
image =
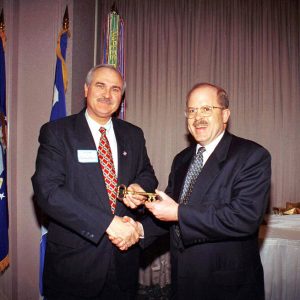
<point x="116" y="86"/>
<point x="113" y="86"/>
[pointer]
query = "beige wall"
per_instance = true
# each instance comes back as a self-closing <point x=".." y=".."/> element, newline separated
<point x="32" y="28"/>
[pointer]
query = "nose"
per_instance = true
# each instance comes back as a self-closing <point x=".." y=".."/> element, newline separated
<point x="198" y="115"/>
<point x="106" y="93"/>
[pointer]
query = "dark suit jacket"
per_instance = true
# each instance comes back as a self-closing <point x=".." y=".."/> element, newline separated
<point x="74" y="196"/>
<point x="219" y="258"/>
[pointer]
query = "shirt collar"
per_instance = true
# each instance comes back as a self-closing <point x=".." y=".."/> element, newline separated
<point x="211" y="146"/>
<point x="96" y="126"/>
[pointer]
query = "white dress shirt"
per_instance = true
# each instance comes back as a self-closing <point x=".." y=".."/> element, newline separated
<point x="209" y="149"/>
<point x="94" y="127"/>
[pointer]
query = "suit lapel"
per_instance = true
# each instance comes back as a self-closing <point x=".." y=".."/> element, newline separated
<point x="124" y="157"/>
<point x="212" y="168"/>
<point x="84" y="141"/>
<point x="124" y="152"/>
<point x="181" y="172"/>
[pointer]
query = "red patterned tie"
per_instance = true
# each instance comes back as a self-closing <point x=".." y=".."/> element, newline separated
<point x="108" y="169"/>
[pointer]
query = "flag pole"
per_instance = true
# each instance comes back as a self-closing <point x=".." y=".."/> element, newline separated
<point x="96" y="32"/>
<point x="3" y="105"/>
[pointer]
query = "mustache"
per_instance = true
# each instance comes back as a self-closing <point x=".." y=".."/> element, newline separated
<point x="199" y="123"/>
<point x="104" y="100"/>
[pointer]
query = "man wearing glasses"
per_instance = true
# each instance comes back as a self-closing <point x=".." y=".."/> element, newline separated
<point x="215" y="201"/>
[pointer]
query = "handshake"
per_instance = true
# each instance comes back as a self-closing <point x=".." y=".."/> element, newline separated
<point x="124" y="232"/>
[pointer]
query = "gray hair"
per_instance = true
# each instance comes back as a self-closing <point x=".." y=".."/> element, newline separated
<point x="89" y="76"/>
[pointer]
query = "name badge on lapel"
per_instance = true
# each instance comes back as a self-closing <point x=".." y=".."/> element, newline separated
<point x="87" y="156"/>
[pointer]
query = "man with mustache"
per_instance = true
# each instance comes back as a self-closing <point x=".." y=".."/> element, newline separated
<point x="215" y="201"/>
<point x="81" y="160"/>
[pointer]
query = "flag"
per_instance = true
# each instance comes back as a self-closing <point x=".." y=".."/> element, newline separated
<point x="58" y="111"/>
<point x="61" y="78"/>
<point x="113" y="50"/>
<point x="4" y="261"/>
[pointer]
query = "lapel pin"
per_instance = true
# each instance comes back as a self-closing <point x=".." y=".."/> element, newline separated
<point x="124" y="153"/>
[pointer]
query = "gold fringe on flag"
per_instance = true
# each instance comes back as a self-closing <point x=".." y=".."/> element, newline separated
<point x="59" y="55"/>
<point x="4" y="263"/>
<point x="2" y="29"/>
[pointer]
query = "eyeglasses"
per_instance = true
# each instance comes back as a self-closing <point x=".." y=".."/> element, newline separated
<point x="205" y="111"/>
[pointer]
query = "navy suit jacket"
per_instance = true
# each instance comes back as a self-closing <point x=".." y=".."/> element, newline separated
<point x="74" y="196"/>
<point x="218" y="255"/>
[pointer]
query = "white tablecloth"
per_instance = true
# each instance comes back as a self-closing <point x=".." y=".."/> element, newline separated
<point x="280" y="255"/>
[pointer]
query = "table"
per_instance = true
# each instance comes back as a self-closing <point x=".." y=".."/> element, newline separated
<point x="280" y="255"/>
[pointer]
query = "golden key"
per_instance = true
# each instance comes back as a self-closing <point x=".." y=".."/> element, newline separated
<point x="122" y="192"/>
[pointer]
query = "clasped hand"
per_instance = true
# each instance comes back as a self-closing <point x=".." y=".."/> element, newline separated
<point x="124" y="232"/>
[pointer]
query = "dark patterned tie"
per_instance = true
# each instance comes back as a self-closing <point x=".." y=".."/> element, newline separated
<point x="191" y="175"/>
<point x="108" y="169"/>
<point x="189" y="182"/>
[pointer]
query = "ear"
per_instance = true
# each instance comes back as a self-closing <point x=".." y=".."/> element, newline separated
<point x="225" y="115"/>
<point x="86" y="88"/>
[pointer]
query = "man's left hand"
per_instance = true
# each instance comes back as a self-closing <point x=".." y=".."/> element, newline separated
<point x="165" y="209"/>
<point x="134" y="200"/>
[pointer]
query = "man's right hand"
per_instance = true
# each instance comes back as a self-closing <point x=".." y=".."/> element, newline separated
<point x="122" y="233"/>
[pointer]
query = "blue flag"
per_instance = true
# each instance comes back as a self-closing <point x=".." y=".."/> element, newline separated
<point x="4" y="262"/>
<point x="60" y="84"/>
<point x="58" y="111"/>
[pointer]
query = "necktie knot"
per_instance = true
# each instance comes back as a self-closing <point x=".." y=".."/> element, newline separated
<point x="102" y="130"/>
<point x="200" y="151"/>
